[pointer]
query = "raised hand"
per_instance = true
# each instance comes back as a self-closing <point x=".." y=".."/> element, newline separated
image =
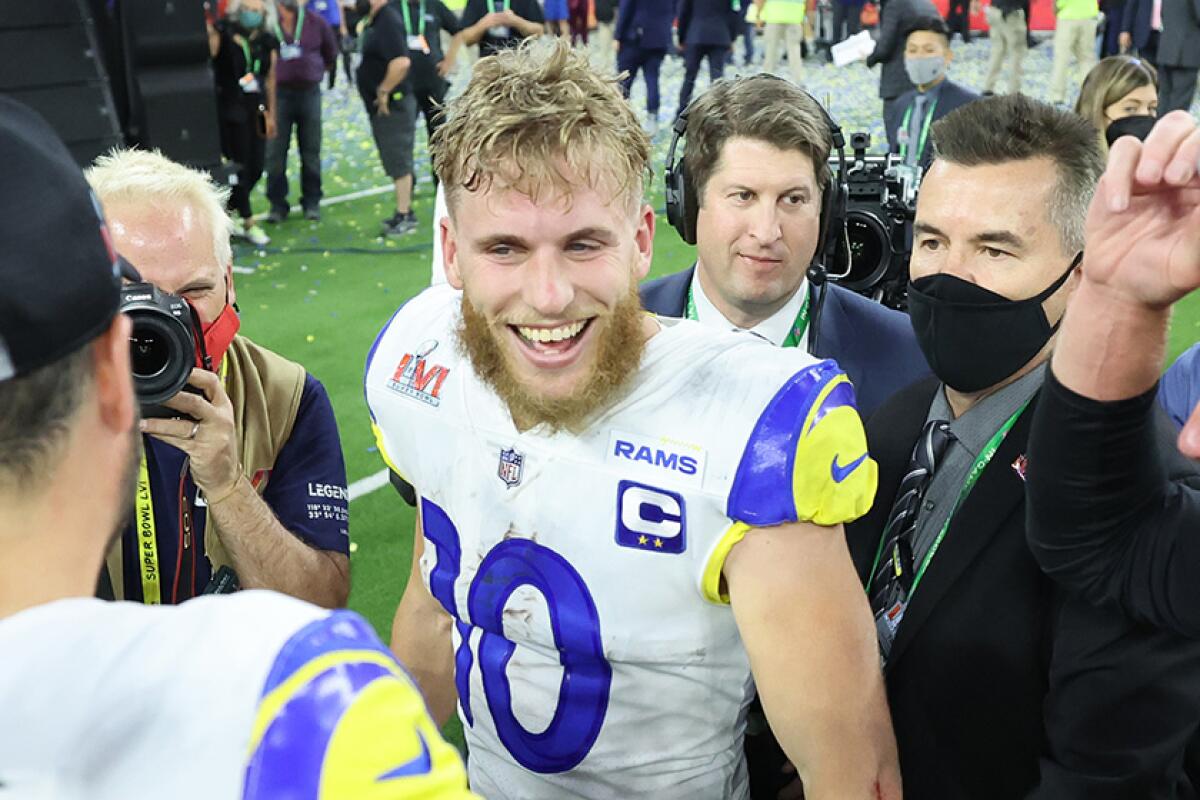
<point x="1143" y="227"/>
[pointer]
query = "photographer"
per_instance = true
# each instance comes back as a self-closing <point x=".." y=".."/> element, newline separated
<point x="248" y="474"/>
<point x="755" y="157"/>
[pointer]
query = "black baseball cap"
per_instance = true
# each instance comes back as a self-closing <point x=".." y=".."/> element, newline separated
<point x="60" y="284"/>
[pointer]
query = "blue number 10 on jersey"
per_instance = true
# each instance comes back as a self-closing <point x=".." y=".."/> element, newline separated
<point x="587" y="676"/>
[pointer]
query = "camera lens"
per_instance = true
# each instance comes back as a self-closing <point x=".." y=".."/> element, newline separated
<point x="870" y="251"/>
<point x="149" y="353"/>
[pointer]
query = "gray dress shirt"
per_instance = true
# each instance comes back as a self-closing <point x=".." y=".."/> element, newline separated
<point x="970" y="433"/>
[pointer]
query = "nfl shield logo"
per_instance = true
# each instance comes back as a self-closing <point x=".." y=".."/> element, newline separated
<point x="510" y="467"/>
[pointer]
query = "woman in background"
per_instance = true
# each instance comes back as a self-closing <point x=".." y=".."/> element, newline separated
<point x="1119" y="88"/>
<point x="244" y="55"/>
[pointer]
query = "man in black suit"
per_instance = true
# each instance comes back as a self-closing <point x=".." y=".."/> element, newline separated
<point x="1001" y="684"/>
<point x="896" y="17"/>
<point x="756" y="153"/>
<point x="643" y="37"/>
<point x="1140" y="30"/>
<point x="707" y="29"/>
<point x="927" y="56"/>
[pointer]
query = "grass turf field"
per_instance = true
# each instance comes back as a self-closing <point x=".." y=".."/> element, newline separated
<point x="320" y="292"/>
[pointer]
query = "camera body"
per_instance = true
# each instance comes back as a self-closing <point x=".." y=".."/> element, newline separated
<point x="872" y="258"/>
<point x="162" y="345"/>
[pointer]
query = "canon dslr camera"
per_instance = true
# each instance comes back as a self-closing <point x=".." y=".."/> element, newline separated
<point x="162" y="346"/>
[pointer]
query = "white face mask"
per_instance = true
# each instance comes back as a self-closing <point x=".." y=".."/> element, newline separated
<point x="925" y="70"/>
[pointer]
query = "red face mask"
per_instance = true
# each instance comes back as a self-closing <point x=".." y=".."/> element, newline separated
<point x="218" y="335"/>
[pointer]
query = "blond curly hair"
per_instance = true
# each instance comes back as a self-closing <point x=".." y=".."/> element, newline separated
<point x="539" y="120"/>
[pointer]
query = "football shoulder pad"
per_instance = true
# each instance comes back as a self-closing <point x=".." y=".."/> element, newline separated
<point x="806" y="459"/>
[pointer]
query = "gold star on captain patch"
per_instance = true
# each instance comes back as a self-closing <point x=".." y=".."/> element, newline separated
<point x="658" y="542"/>
<point x="642" y="540"/>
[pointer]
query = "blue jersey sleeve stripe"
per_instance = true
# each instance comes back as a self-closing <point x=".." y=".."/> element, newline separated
<point x="341" y="630"/>
<point x="762" y="491"/>
<point x="290" y="757"/>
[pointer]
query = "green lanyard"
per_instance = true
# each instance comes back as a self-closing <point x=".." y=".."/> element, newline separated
<point x="408" y="22"/>
<point x="795" y="335"/>
<point x="985" y="458"/>
<point x="924" y="131"/>
<point x="251" y="65"/>
<point x="299" y="29"/>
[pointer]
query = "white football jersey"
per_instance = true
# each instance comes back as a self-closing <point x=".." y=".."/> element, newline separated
<point x="253" y="695"/>
<point x="595" y="654"/>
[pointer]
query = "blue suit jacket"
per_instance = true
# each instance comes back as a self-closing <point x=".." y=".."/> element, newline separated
<point x="875" y="345"/>
<point x="646" y="23"/>
<point x="708" y="22"/>
<point x="1135" y="20"/>
<point x="951" y="96"/>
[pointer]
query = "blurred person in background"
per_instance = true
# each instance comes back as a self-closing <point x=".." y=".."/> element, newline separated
<point x="706" y="30"/>
<point x="244" y="53"/>
<point x="927" y="57"/>
<point x="897" y="17"/>
<point x="307" y="49"/>
<point x="424" y="22"/>
<point x="782" y="22"/>
<point x="331" y="11"/>
<point x="847" y="19"/>
<point x="1119" y="88"/>
<point x="386" y="91"/>
<point x="603" y="42"/>
<point x="1008" y="38"/>
<point x="1074" y="39"/>
<point x="497" y="25"/>
<point x="643" y="38"/>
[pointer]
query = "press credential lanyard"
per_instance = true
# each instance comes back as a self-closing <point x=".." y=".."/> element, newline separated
<point x="299" y="28"/>
<point x="147" y="537"/>
<point x="421" y="26"/>
<point x="795" y="335"/>
<point x="981" y="462"/>
<point x="924" y="130"/>
<point x="251" y="65"/>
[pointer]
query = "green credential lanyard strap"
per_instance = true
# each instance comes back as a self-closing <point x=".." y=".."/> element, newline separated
<point x="982" y="460"/>
<point x="924" y="131"/>
<point x="795" y="335"/>
<point x="408" y="20"/>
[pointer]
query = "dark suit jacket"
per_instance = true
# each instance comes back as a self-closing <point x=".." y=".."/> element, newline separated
<point x="1135" y="20"/>
<point x="1179" y="45"/>
<point x="894" y="21"/>
<point x="708" y="22"/>
<point x="951" y="96"/>
<point x="646" y="23"/>
<point x="874" y="345"/>
<point x="1000" y="684"/>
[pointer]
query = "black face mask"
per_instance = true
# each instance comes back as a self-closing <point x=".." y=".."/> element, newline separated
<point x="974" y="338"/>
<point x="1138" y="125"/>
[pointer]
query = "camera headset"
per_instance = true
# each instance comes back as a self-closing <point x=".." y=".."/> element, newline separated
<point x="683" y="202"/>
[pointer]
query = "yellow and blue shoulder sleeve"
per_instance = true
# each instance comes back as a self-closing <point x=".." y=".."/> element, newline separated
<point x="339" y="717"/>
<point x="806" y="460"/>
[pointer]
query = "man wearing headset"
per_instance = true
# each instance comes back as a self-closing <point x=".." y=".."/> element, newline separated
<point x="754" y="193"/>
<point x="758" y="204"/>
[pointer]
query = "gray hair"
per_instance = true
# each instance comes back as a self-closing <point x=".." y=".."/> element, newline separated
<point x="998" y="130"/>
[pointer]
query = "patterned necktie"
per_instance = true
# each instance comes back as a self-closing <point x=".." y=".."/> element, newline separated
<point x="893" y="578"/>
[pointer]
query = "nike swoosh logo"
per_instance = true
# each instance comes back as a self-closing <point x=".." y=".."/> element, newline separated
<point x="840" y="473"/>
<point x="421" y="765"/>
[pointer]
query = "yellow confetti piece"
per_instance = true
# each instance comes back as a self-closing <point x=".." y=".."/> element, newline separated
<point x="310" y="338"/>
<point x="263" y="306"/>
<point x="354" y="547"/>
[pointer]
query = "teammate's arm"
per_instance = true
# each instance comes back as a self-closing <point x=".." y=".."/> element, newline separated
<point x="421" y="639"/>
<point x="807" y="628"/>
